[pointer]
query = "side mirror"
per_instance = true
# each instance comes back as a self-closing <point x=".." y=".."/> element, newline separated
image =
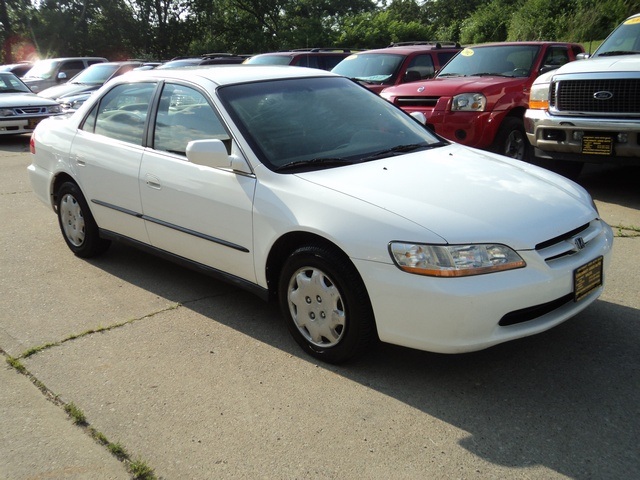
<point x="420" y="117"/>
<point x="61" y="76"/>
<point x="213" y="153"/>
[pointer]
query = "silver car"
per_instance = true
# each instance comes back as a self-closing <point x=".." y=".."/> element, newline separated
<point x="21" y="109"/>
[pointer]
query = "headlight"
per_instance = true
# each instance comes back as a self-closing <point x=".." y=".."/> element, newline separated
<point x="539" y="97"/>
<point x="54" y="109"/>
<point x="387" y="96"/>
<point x="454" y="260"/>
<point x="6" y="112"/>
<point x="469" y="102"/>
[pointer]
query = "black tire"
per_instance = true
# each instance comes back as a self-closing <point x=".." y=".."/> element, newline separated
<point x="77" y="225"/>
<point x="511" y="140"/>
<point x="325" y="305"/>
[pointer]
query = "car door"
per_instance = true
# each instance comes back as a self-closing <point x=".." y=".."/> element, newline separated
<point x="200" y="213"/>
<point x="106" y="153"/>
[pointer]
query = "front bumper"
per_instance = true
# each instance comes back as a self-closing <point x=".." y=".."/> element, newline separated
<point x="17" y="125"/>
<point x="559" y="137"/>
<point x="455" y="315"/>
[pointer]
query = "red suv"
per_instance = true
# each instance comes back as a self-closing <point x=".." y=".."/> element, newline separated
<point x="322" y="58"/>
<point x="479" y="98"/>
<point x="396" y="64"/>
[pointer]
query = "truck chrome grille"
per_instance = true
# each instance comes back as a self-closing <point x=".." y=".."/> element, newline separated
<point x="616" y="96"/>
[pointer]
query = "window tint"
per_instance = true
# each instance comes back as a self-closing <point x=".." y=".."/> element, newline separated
<point x="185" y="115"/>
<point x="122" y="112"/>
<point x="556" y="57"/>
<point x="420" y="67"/>
<point x="71" y="67"/>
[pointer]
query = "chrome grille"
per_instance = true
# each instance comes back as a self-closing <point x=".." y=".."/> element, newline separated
<point x="30" y="110"/>
<point x="579" y="96"/>
<point x="569" y="243"/>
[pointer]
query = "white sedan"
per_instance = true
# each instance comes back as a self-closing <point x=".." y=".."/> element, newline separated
<point x="21" y="109"/>
<point x="305" y="188"/>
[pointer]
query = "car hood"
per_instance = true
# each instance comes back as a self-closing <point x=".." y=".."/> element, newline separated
<point x="452" y="193"/>
<point x="619" y="63"/>
<point x="455" y="85"/>
<point x="23" y="100"/>
<point x="67" y="89"/>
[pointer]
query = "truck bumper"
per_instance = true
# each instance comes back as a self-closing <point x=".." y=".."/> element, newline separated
<point x="588" y="140"/>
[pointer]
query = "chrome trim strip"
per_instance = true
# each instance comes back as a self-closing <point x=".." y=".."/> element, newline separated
<point x="157" y="221"/>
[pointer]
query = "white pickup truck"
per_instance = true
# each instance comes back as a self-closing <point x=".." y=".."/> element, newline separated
<point x="588" y="111"/>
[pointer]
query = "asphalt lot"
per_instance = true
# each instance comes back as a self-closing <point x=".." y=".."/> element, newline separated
<point x="199" y="380"/>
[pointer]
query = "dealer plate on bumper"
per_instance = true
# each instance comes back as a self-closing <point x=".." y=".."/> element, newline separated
<point x="597" y="145"/>
<point x="587" y="278"/>
<point x="33" y="122"/>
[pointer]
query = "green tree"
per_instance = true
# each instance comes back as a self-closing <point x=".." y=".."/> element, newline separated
<point x="541" y="20"/>
<point x="489" y="23"/>
<point x="399" y="22"/>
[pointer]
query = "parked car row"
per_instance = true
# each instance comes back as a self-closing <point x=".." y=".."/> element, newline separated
<point x="476" y="95"/>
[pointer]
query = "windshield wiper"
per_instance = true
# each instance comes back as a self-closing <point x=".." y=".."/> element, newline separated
<point x="320" y="161"/>
<point x="401" y="149"/>
<point x="451" y="75"/>
<point x="490" y="74"/>
<point x="617" y="52"/>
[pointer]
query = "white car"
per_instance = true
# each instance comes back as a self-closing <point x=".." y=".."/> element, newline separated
<point x="21" y="109"/>
<point x="304" y="187"/>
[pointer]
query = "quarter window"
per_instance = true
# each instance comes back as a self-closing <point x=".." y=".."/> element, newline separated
<point x="184" y="114"/>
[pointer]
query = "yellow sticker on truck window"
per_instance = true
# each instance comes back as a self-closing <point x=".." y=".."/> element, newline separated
<point x="632" y="21"/>
<point x="467" y="52"/>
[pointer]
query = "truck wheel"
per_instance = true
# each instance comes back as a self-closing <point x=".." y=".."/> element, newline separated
<point x="511" y="140"/>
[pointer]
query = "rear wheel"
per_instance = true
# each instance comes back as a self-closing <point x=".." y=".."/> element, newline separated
<point x="77" y="225"/>
<point x="325" y="304"/>
<point x="511" y="140"/>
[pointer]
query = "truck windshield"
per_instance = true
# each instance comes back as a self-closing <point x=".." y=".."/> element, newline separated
<point x="623" y="40"/>
<point x="503" y="60"/>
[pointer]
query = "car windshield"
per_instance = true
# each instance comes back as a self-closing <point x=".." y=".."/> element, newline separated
<point x="42" y="69"/>
<point x="269" y="60"/>
<point x="623" y="41"/>
<point x="313" y="123"/>
<point x="9" y="83"/>
<point x="95" y="74"/>
<point x="370" y="67"/>
<point x="500" y="60"/>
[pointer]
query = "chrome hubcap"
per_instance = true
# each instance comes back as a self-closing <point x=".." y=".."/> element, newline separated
<point x="72" y="220"/>
<point x="316" y="307"/>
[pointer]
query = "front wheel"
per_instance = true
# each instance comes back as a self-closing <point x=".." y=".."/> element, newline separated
<point x="511" y="140"/>
<point x="325" y="305"/>
<point x="77" y="225"/>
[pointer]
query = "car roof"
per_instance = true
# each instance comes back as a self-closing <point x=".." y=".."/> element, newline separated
<point x="515" y="44"/>
<point x="306" y="51"/>
<point x="406" y="48"/>
<point x="229" y="73"/>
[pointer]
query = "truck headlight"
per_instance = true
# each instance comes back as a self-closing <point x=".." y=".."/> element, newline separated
<point x="6" y="112"/>
<point x="469" y="102"/>
<point x="454" y="260"/>
<point x="539" y="96"/>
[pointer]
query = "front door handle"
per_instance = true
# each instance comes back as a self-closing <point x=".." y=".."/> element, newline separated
<point x="152" y="181"/>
